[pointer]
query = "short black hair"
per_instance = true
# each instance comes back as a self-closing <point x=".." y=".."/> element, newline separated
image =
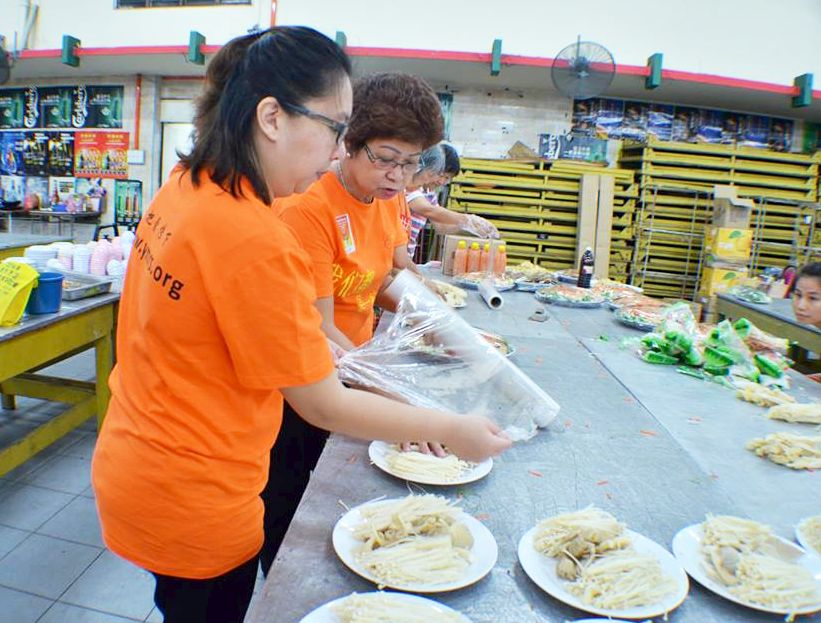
<point x="452" y="162"/>
<point x="291" y="63"/>
<point x="813" y="269"/>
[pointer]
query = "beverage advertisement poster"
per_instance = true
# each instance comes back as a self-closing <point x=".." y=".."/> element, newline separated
<point x="104" y="106"/>
<point x="128" y="201"/>
<point x="60" y="153"/>
<point x="12" y="108"/>
<point x="55" y="107"/>
<point x="35" y="153"/>
<point x="31" y="108"/>
<point x="101" y="154"/>
<point x="11" y="153"/>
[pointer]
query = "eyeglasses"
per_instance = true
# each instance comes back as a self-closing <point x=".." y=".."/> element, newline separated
<point x="337" y="126"/>
<point x="386" y="164"/>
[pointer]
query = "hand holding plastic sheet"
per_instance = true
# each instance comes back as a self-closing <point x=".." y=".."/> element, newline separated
<point x="430" y="357"/>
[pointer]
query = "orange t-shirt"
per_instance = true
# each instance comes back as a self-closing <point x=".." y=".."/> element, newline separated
<point x="351" y="245"/>
<point x="215" y="317"/>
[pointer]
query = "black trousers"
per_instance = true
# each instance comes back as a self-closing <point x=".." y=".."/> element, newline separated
<point x="293" y="456"/>
<point x="223" y="599"/>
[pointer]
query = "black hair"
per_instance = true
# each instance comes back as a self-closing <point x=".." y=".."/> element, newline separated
<point x="452" y="163"/>
<point x="813" y="269"/>
<point x="291" y="63"/>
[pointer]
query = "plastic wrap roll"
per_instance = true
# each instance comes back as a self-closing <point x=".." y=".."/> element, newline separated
<point x="490" y="294"/>
<point x="427" y="355"/>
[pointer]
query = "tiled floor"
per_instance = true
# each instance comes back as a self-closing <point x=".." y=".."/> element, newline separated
<point x="54" y="567"/>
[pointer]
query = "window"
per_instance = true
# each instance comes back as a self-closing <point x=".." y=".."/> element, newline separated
<point x="147" y="4"/>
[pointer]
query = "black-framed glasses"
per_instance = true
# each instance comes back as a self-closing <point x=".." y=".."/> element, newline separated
<point x="386" y="164"/>
<point x="337" y="126"/>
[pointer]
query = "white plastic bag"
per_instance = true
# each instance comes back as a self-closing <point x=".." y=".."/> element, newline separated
<point x="430" y="357"/>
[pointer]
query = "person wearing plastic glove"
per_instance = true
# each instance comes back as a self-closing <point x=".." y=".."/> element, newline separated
<point x="349" y="224"/>
<point x="217" y="324"/>
<point x="423" y="204"/>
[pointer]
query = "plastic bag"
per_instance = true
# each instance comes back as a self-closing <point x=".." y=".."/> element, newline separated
<point x="724" y="349"/>
<point x="675" y="339"/>
<point x="428" y="356"/>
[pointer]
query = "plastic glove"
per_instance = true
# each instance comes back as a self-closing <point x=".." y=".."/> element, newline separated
<point x="480" y="227"/>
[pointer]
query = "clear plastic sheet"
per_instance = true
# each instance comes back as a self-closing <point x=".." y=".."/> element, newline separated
<point x="428" y="356"/>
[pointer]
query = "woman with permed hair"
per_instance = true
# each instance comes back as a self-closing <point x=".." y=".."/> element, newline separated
<point x="217" y="325"/>
<point x="350" y="225"/>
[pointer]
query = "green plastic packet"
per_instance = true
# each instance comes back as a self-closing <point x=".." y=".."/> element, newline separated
<point x="659" y="358"/>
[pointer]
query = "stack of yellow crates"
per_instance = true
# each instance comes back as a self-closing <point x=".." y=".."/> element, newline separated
<point x="676" y="180"/>
<point x="535" y="205"/>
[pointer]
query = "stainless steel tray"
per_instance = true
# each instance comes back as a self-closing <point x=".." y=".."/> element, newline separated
<point x="81" y="286"/>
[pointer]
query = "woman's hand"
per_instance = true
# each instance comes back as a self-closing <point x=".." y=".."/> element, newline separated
<point x="437" y="449"/>
<point x="480" y="227"/>
<point x="475" y="438"/>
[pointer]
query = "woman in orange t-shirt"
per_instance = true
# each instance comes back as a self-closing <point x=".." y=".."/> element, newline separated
<point x="350" y="222"/>
<point x="206" y="353"/>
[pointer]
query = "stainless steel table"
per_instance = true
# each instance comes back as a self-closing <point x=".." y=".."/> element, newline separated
<point x="622" y="441"/>
<point x="777" y="318"/>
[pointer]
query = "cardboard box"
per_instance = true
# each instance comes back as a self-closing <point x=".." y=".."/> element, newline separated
<point x="720" y="278"/>
<point x="449" y="248"/>
<point x="728" y="210"/>
<point x="728" y="244"/>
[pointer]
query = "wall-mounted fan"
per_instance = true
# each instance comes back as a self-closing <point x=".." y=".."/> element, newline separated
<point x="583" y="70"/>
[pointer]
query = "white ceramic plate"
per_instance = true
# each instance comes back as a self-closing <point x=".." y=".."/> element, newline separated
<point x="324" y="614"/>
<point x="687" y="548"/>
<point x="803" y="539"/>
<point x="484" y="552"/>
<point x="379" y="451"/>
<point x="542" y="570"/>
<point x="474" y="285"/>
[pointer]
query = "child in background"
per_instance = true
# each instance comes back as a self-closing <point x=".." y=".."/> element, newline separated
<point x="806" y="295"/>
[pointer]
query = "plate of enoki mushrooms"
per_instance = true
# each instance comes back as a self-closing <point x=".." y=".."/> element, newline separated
<point x="419" y="543"/>
<point x="746" y="562"/>
<point x="590" y="560"/>
<point x="384" y="607"/>
<point x="426" y="468"/>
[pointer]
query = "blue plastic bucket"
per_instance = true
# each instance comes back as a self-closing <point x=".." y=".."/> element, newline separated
<point x="46" y="297"/>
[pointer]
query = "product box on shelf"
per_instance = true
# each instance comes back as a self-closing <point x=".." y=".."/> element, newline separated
<point x="728" y="210"/>
<point x="449" y="248"/>
<point x="728" y="244"/>
<point x="720" y="277"/>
